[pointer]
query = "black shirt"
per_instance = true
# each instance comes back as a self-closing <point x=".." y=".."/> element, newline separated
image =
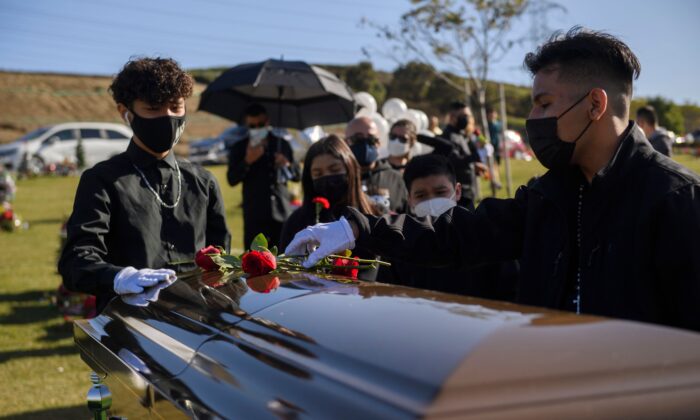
<point x="383" y="180"/>
<point x="265" y="194"/>
<point x="118" y="222"/>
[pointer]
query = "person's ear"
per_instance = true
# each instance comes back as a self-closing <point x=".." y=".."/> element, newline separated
<point x="599" y="104"/>
<point x="123" y="110"/>
<point x="458" y="191"/>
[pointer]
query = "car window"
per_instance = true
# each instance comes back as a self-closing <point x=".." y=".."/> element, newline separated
<point x="90" y="133"/>
<point x="34" y="134"/>
<point x="65" y="135"/>
<point x="116" y="135"/>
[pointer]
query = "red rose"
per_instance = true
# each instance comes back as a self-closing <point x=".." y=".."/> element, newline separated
<point x="322" y="201"/>
<point x="263" y="284"/>
<point x="257" y="263"/>
<point x="90" y="307"/>
<point x="7" y="215"/>
<point x="343" y="267"/>
<point x="203" y="258"/>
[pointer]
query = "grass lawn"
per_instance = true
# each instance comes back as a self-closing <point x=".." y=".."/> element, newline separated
<point x="41" y="374"/>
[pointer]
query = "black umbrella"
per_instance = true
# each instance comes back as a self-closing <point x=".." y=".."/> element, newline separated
<point x="295" y="94"/>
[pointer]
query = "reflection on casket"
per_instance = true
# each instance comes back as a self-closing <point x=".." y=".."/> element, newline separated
<point x="301" y="345"/>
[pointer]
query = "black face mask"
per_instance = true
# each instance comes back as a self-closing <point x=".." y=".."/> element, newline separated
<point x="549" y="149"/>
<point x="364" y="153"/>
<point x="158" y="134"/>
<point x="462" y="122"/>
<point x="332" y="187"/>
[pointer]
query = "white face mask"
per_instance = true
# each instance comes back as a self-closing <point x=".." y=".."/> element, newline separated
<point x="396" y="148"/>
<point x="256" y="136"/>
<point x="434" y="207"/>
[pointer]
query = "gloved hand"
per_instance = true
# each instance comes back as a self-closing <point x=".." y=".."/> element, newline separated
<point x="130" y="280"/>
<point x="322" y="240"/>
<point x="149" y="295"/>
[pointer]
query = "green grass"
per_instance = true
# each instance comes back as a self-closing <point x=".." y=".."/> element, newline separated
<point x="41" y="374"/>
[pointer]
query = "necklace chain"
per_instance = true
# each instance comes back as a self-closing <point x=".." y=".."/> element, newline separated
<point x="160" y="200"/>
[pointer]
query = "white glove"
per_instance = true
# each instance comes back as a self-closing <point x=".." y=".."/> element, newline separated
<point x="131" y="281"/>
<point x="149" y="295"/>
<point x="330" y="238"/>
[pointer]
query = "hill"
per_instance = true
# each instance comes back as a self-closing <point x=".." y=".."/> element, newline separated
<point x="32" y="100"/>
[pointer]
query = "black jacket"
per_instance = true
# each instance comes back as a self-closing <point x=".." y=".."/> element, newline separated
<point x="462" y="155"/>
<point x="265" y="197"/>
<point x="385" y="178"/>
<point x="661" y="142"/>
<point x="117" y="222"/>
<point x="640" y="238"/>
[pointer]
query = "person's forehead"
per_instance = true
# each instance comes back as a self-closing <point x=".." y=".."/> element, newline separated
<point x="429" y="182"/>
<point x="325" y="160"/>
<point x="361" y="126"/>
<point x="399" y="130"/>
<point x="548" y="82"/>
<point x="175" y="101"/>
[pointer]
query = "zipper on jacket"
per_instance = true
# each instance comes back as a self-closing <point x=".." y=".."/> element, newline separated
<point x="579" y="211"/>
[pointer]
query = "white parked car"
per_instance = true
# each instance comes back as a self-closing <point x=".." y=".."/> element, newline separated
<point x="58" y="143"/>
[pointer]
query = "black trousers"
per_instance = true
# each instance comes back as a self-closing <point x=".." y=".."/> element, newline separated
<point x="270" y="228"/>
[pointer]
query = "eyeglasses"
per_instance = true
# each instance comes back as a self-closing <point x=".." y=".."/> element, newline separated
<point x="401" y="139"/>
<point x="359" y="138"/>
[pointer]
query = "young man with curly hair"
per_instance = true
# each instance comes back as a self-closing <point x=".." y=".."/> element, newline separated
<point x="142" y="209"/>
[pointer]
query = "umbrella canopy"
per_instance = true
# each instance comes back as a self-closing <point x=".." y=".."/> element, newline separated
<point x="294" y="93"/>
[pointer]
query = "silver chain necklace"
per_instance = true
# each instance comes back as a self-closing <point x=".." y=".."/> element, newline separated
<point x="160" y="200"/>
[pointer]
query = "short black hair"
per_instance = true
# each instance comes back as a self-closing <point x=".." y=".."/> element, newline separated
<point x="648" y="114"/>
<point x="592" y="59"/>
<point x="254" y="110"/>
<point x="156" y="81"/>
<point x="427" y="165"/>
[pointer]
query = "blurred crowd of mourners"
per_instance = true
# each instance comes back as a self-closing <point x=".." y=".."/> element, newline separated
<point x="594" y="234"/>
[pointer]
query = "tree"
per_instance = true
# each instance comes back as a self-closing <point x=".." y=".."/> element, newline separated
<point x="363" y="77"/>
<point x="668" y="113"/>
<point x="464" y="37"/>
<point x="412" y="81"/>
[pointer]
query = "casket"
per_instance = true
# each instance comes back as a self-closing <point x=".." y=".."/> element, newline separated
<point x="311" y="346"/>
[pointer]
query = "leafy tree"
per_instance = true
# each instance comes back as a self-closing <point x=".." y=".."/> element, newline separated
<point x="691" y="116"/>
<point x="412" y="81"/>
<point x="464" y="37"/>
<point x="363" y="77"/>
<point x="668" y="113"/>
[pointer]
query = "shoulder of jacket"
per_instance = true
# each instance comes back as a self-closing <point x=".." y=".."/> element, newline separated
<point x="668" y="174"/>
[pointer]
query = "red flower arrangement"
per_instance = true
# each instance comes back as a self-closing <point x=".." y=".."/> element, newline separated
<point x="263" y="263"/>
<point x="344" y="267"/>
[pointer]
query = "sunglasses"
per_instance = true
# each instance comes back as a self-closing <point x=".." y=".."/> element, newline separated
<point x="359" y="138"/>
<point x="401" y="139"/>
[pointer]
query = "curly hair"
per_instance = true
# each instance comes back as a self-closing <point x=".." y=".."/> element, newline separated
<point x="156" y="81"/>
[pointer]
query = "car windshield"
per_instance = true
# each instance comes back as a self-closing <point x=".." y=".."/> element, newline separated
<point x="33" y="134"/>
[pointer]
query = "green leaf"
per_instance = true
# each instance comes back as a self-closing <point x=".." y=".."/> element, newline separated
<point x="259" y="243"/>
<point x="274" y="250"/>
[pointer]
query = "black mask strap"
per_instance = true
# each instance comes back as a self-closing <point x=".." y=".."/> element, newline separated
<point x="572" y="106"/>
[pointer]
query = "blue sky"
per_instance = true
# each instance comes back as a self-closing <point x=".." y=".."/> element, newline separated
<point x="99" y="36"/>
